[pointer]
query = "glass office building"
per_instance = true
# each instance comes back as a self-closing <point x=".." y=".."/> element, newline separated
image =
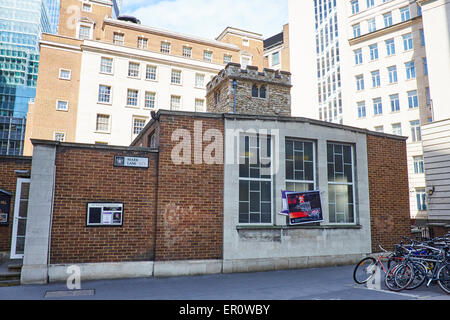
<point x="53" y="14"/>
<point x="21" y="25"/>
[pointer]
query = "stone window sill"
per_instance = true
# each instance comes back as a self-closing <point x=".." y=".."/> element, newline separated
<point x="323" y="227"/>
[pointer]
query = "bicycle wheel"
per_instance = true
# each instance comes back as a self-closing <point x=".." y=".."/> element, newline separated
<point x="364" y="270"/>
<point x="398" y="277"/>
<point x="420" y="275"/>
<point x="444" y="278"/>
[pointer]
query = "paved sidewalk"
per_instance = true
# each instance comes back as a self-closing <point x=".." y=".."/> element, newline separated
<point x="308" y="284"/>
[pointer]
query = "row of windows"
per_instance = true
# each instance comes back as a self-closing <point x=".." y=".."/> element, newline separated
<point x="410" y="73"/>
<point x="394" y="100"/>
<point x="390" y="48"/>
<point x="151" y="71"/>
<point x="396" y="128"/>
<point x="132" y="100"/>
<point x="256" y="178"/>
<point x="405" y="15"/>
<point x="85" y="33"/>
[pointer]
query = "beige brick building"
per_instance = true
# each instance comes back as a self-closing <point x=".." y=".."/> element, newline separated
<point x="100" y="77"/>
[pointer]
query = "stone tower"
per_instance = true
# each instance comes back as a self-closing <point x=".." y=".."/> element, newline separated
<point x="247" y="91"/>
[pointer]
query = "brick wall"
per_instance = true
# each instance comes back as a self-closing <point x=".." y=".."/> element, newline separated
<point x="389" y="191"/>
<point x="8" y="180"/>
<point x="87" y="175"/>
<point x="190" y="197"/>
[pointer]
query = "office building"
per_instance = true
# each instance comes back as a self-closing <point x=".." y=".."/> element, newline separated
<point x="21" y="25"/>
<point x="100" y="78"/>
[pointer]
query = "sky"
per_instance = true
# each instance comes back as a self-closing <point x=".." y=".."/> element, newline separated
<point x="208" y="18"/>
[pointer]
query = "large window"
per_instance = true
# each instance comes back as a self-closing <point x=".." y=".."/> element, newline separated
<point x="407" y="42"/>
<point x="132" y="97"/>
<point x="416" y="134"/>
<point x="421" y="200"/>
<point x="392" y="71"/>
<point x="390" y="47"/>
<point x="133" y="69"/>
<point x="405" y="14"/>
<point x="418" y="164"/>
<point x="150" y="98"/>
<point x="118" y="38"/>
<point x="106" y="65"/>
<point x="165" y="47"/>
<point x="395" y="102"/>
<point x="150" y="73"/>
<point x="355" y="6"/>
<point x="361" y="110"/>
<point x="360" y="82"/>
<point x="358" y="56"/>
<point x="175" y="102"/>
<point x="410" y="70"/>
<point x="377" y="106"/>
<point x="104" y="94"/>
<point x="255" y="179"/>
<point x="373" y="51"/>
<point x="413" y="100"/>
<point x="341" y="202"/>
<point x="102" y="124"/>
<point x="175" y="77"/>
<point x="300" y="167"/>
<point x="387" y="19"/>
<point x="376" y="81"/>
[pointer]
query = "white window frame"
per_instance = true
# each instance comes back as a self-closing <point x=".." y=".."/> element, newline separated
<point x="57" y="105"/>
<point x="202" y="102"/>
<point x="142" y="42"/>
<point x="85" y="25"/>
<point x="116" y="41"/>
<point x="129" y="90"/>
<point x="187" y="51"/>
<point x="147" y="73"/>
<point x="63" y="134"/>
<point x="110" y="94"/>
<point x="171" y="102"/>
<point x="133" y="70"/>
<point x="353" y="184"/>
<point x="172" y="78"/>
<point x="418" y="165"/>
<point x="314" y="181"/>
<point x="84" y="7"/>
<point x="112" y="65"/>
<point x="61" y="70"/>
<point x="134" y="127"/>
<point x="97" y="130"/>
<point x="271" y="180"/>
<point x="145" y="100"/>
<point x="164" y="45"/>
<point x="198" y="84"/>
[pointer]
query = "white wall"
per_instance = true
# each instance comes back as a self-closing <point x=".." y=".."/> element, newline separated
<point x="278" y="241"/>
<point x="121" y="116"/>
<point x="436" y="21"/>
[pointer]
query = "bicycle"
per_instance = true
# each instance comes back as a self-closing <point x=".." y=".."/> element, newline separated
<point x="397" y="277"/>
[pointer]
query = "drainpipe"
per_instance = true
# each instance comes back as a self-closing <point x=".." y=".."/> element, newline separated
<point x="234" y="96"/>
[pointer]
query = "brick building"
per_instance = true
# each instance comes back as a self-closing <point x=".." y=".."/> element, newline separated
<point x="200" y="193"/>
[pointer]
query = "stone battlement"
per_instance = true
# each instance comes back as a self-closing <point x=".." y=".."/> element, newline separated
<point x="251" y="73"/>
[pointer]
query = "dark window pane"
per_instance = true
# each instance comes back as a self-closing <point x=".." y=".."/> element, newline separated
<point x="254" y="185"/>
<point x="262" y="92"/>
<point x="265" y="191"/>
<point x="351" y="217"/>
<point x="255" y="202"/>
<point x="266" y="208"/>
<point x="338" y="148"/>
<point x="330" y="172"/>
<point x="266" y="218"/>
<point x="332" y="210"/>
<point x="255" y="91"/>
<point x="289" y="150"/>
<point x="348" y="175"/>
<point x="290" y="170"/>
<point x="347" y="154"/>
<point x="254" y="173"/>
<point x="255" y="218"/>
<point x="244" y="168"/>
<point x="309" y="171"/>
<point x="243" y="191"/>
<point x="330" y="154"/>
<point x="298" y="160"/>
<point x="299" y="175"/>
<point x="244" y="218"/>
<point x="308" y="151"/>
<point x="298" y="146"/>
<point x="338" y="163"/>
<point x="243" y="208"/>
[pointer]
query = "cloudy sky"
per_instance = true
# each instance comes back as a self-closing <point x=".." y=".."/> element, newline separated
<point x="208" y="18"/>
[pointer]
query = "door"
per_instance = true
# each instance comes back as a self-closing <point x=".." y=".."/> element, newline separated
<point x="20" y="218"/>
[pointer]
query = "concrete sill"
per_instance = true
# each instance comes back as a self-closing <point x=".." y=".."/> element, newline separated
<point x="334" y="226"/>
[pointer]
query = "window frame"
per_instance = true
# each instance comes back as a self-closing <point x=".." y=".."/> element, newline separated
<point x="61" y="70"/>
<point x="314" y="163"/>
<point x="353" y="183"/>
<point x="250" y="179"/>
<point x="102" y="65"/>
<point x="59" y="109"/>
<point x="97" y="130"/>
<point x="109" y="95"/>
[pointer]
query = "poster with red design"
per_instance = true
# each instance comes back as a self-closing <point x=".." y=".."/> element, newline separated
<point x="304" y="207"/>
